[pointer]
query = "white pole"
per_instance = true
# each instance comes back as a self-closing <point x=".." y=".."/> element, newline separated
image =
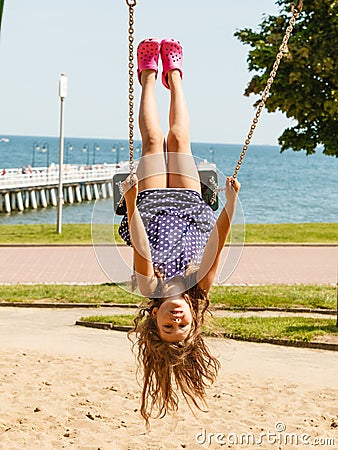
<point x="62" y="94"/>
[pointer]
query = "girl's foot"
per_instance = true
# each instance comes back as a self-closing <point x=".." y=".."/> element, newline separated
<point x="172" y="58"/>
<point x="148" y="52"/>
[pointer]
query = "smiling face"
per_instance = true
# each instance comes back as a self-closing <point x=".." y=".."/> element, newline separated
<point x="174" y="319"/>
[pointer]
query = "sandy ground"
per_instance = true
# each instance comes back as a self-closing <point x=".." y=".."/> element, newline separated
<point x="68" y="387"/>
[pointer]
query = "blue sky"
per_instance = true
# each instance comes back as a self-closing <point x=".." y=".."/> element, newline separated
<point x="88" y="41"/>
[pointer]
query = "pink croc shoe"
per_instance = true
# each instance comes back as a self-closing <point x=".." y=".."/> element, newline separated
<point x="148" y="52"/>
<point x="172" y="58"/>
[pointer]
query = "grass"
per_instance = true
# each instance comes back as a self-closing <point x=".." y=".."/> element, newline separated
<point x="278" y="296"/>
<point x="293" y="329"/>
<point x="326" y="233"/>
<point x="56" y="293"/>
<point x="122" y="320"/>
<point x="283" y="296"/>
<point x="46" y="234"/>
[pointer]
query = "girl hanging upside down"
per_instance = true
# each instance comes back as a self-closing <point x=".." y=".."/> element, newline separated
<point x="176" y="241"/>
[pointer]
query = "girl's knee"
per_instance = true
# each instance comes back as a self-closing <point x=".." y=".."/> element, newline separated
<point x="152" y="142"/>
<point x="178" y="137"/>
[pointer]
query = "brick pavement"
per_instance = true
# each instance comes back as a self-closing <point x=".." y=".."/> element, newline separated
<point x="82" y="264"/>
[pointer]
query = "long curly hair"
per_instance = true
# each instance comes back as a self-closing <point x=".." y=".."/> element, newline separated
<point x="167" y="367"/>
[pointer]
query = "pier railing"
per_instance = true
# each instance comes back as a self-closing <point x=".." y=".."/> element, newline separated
<point x="29" y="188"/>
<point x="43" y="176"/>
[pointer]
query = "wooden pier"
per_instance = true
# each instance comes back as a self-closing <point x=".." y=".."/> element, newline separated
<point x="36" y="187"/>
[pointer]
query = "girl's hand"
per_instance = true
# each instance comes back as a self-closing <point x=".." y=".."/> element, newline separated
<point x="232" y="188"/>
<point x="130" y="189"/>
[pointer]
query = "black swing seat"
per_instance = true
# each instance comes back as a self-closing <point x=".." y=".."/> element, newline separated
<point x="208" y="178"/>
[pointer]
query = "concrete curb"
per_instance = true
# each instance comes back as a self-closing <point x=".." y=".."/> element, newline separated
<point x="285" y="342"/>
<point x="103" y="326"/>
<point x="67" y="305"/>
<point x="273" y="308"/>
<point x="282" y="342"/>
<point x="135" y="306"/>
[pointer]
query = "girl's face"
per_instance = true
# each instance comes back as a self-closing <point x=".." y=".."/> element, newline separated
<point x="174" y="319"/>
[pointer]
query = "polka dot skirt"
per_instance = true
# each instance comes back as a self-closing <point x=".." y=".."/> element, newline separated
<point x="178" y="223"/>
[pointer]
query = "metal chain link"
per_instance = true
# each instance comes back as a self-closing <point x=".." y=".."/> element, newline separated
<point x="296" y="10"/>
<point x="131" y="4"/>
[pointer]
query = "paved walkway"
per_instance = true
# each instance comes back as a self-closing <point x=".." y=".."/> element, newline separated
<point x="248" y="265"/>
<point x="53" y="332"/>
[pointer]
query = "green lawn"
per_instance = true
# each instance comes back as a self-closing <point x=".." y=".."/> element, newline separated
<point x="60" y="293"/>
<point x="290" y="328"/>
<point x="46" y="234"/>
<point x="283" y="296"/>
<point x="278" y="296"/>
<point x="293" y="329"/>
<point x="121" y="320"/>
<point x="326" y="233"/>
<point x="82" y="233"/>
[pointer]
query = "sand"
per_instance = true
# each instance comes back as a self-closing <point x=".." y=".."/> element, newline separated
<point x="67" y="387"/>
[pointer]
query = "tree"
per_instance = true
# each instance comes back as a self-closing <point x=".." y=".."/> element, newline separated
<point x="306" y="86"/>
<point x="1" y="10"/>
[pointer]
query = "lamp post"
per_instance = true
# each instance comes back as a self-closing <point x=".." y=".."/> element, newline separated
<point x="69" y="148"/>
<point x="45" y="149"/>
<point x="114" y="151"/>
<point x="120" y="148"/>
<point x="63" y="84"/>
<point x="212" y="151"/>
<point x="85" y="150"/>
<point x="95" y="149"/>
<point x="36" y="148"/>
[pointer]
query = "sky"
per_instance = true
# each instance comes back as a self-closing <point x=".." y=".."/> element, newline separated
<point x="88" y="41"/>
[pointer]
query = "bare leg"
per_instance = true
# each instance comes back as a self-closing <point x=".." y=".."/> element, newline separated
<point x="152" y="170"/>
<point x="182" y="171"/>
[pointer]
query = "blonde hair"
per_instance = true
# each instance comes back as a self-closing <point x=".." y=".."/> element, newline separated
<point x="187" y="366"/>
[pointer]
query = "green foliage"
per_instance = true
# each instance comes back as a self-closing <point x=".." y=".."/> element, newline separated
<point x="306" y="86"/>
<point x="1" y="10"/>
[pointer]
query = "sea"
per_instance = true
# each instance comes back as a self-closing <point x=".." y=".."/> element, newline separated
<point x="276" y="187"/>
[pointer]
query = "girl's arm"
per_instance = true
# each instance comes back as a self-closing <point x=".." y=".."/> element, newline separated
<point x="218" y="236"/>
<point x="146" y="278"/>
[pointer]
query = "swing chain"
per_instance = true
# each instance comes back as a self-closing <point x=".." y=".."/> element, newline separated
<point x="131" y="4"/>
<point x="298" y="7"/>
<point x="283" y="49"/>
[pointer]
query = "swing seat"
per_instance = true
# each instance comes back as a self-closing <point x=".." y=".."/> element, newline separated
<point x="205" y="173"/>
